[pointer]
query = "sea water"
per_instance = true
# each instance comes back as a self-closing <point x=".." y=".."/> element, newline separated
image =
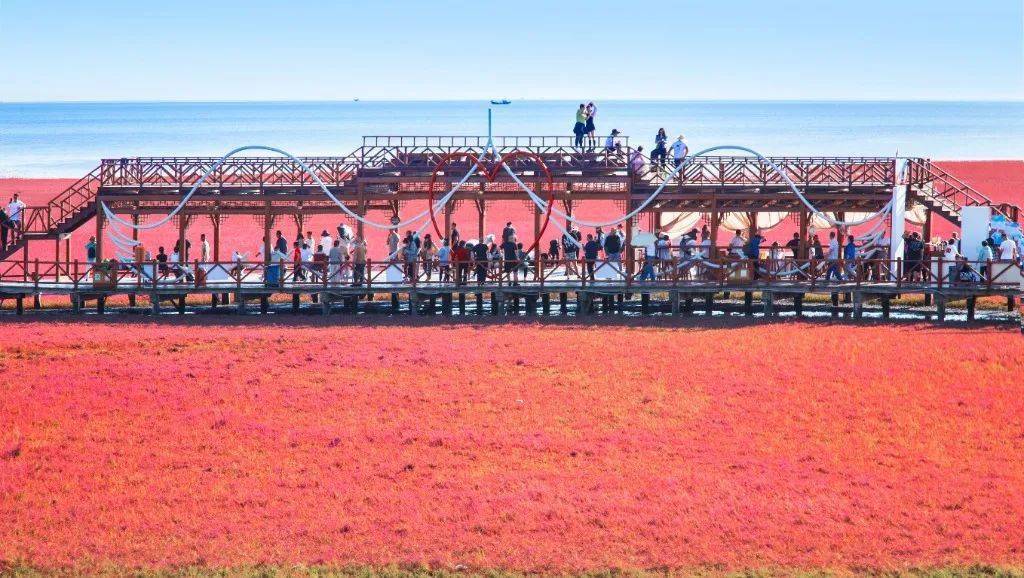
<point x="68" y="139"/>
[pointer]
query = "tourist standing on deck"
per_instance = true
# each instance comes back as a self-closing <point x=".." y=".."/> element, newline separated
<point x="660" y="148"/>
<point x="482" y="259"/>
<point x="570" y="248"/>
<point x="736" y="244"/>
<point x="358" y="261"/>
<point x="680" y="150"/>
<point x="344" y="232"/>
<point x="636" y="163"/>
<point x="580" y="128"/>
<point x="816" y="251"/>
<point x="90" y="250"/>
<point x="510" y="255"/>
<point x="393" y="241"/>
<point x="590" y="128"/>
<point x="5" y="225"/>
<point x="850" y="257"/>
<point x="427" y="253"/>
<point x="553" y="250"/>
<point x="794" y="245"/>
<point x="508" y="232"/>
<point x="325" y="241"/>
<point x="833" y="258"/>
<point x="334" y="262"/>
<point x="204" y="249"/>
<point x="1007" y="250"/>
<point x="281" y="244"/>
<point x="984" y="256"/>
<point x="590" y="250"/>
<point x="15" y="214"/>
<point x="444" y="262"/>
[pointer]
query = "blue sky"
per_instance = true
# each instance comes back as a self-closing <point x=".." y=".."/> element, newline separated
<point x="410" y="50"/>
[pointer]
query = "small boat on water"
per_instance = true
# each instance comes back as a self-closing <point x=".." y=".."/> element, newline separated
<point x="502" y="101"/>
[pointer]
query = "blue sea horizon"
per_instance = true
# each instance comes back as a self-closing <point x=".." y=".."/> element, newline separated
<point x="67" y="139"/>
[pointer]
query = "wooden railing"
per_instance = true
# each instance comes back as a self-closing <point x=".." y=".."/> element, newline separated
<point x="675" y="272"/>
<point x="949" y="193"/>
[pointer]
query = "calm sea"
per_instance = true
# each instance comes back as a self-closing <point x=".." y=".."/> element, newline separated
<point x="68" y="139"/>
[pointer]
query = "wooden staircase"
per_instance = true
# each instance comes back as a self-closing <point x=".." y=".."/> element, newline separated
<point x="69" y="210"/>
<point x="946" y="195"/>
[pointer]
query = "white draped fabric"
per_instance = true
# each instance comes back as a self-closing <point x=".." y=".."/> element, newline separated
<point x="677" y="224"/>
<point x="819" y="222"/>
<point x="917" y="214"/>
<point x="733" y="221"/>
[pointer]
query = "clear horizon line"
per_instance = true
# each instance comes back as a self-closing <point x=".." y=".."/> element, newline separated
<point x="421" y="100"/>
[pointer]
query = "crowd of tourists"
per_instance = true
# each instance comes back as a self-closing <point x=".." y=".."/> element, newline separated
<point x="585" y="137"/>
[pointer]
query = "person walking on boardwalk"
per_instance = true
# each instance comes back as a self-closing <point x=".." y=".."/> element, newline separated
<point x="660" y="148"/>
<point x="833" y="258"/>
<point x="590" y="129"/>
<point x="850" y="257"/>
<point x="580" y="128"/>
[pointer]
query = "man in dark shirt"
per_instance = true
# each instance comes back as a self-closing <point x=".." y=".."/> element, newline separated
<point x="281" y="244"/>
<point x="510" y="253"/>
<point x="914" y="249"/>
<point x="508" y="232"/>
<point x="480" y="256"/>
<point x="590" y="250"/>
<point x="794" y="245"/>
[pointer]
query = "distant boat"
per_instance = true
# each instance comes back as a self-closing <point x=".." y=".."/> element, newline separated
<point x="502" y="101"/>
<point x="356" y="99"/>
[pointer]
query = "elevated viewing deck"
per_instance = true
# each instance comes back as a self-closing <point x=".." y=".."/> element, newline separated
<point x="387" y="173"/>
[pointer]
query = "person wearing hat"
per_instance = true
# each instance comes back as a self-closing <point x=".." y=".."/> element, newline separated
<point x="609" y="144"/>
<point x="680" y="150"/>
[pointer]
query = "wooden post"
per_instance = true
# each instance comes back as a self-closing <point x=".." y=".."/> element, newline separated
<point x="481" y="218"/>
<point x="182" y="225"/>
<point x="135" y="229"/>
<point x="216" y="237"/>
<point x="926" y="229"/>
<point x="536" y="232"/>
<point x="715" y="223"/>
<point x="362" y="210"/>
<point x="805" y="219"/>
<point x="448" y="220"/>
<point x="99" y="232"/>
<point x="268" y="222"/>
